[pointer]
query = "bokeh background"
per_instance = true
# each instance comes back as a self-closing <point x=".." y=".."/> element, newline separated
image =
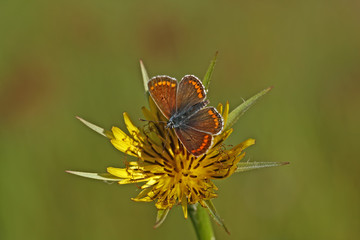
<point x="59" y="59"/>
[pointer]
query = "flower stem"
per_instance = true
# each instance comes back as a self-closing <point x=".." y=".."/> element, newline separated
<point x="201" y="222"/>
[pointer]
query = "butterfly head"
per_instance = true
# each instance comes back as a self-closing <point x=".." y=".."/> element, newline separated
<point x="170" y="124"/>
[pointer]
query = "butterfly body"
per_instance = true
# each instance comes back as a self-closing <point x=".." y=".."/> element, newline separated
<point x="185" y="107"/>
<point x="179" y="118"/>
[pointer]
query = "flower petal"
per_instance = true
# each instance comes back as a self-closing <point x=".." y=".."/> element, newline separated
<point x="244" y="144"/>
<point x="226" y="113"/>
<point x="220" y="108"/>
<point x="119" y="172"/>
<point x="133" y="130"/>
<point x="150" y="183"/>
<point x="126" y="173"/>
<point x="123" y="142"/>
<point x="184" y="206"/>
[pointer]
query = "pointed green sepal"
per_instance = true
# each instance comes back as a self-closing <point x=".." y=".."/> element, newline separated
<point x="145" y="76"/>
<point x="97" y="176"/>
<point x="207" y="77"/>
<point x="213" y="213"/>
<point x="97" y="129"/>
<point x="242" y="108"/>
<point x="247" y="166"/>
<point x="161" y="215"/>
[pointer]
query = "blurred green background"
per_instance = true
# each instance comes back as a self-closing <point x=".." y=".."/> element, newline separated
<point x="59" y="59"/>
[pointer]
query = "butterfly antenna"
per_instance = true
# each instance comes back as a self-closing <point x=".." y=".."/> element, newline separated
<point x="144" y="120"/>
<point x="167" y="137"/>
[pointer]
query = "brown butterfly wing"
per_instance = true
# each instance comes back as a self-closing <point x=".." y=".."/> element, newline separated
<point x="206" y="120"/>
<point x="195" y="142"/>
<point x="163" y="91"/>
<point x="190" y="92"/>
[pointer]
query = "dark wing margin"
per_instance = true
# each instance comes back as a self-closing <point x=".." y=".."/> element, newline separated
<point x="163" y="91"/>
<point x="195" y="142"/>
<point x="190" y="92"/>
<point x="207" y="120"/>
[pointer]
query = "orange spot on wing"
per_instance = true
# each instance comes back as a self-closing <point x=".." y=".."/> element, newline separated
<point x="200" y="95"/>
<point x="168" y="83"/>
<point x="156" y="84"/>
<point x="173" y="85"/>
<point x="152" y="88"/>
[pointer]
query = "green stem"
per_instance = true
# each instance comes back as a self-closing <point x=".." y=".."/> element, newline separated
<point x="201" y="222"/>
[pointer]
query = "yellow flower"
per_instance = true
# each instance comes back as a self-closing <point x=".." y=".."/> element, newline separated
<point x="169" y="173"/>
<point x="172" y="175"/>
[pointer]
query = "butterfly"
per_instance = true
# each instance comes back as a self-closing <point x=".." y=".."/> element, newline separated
<point x="184" y="104"/>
